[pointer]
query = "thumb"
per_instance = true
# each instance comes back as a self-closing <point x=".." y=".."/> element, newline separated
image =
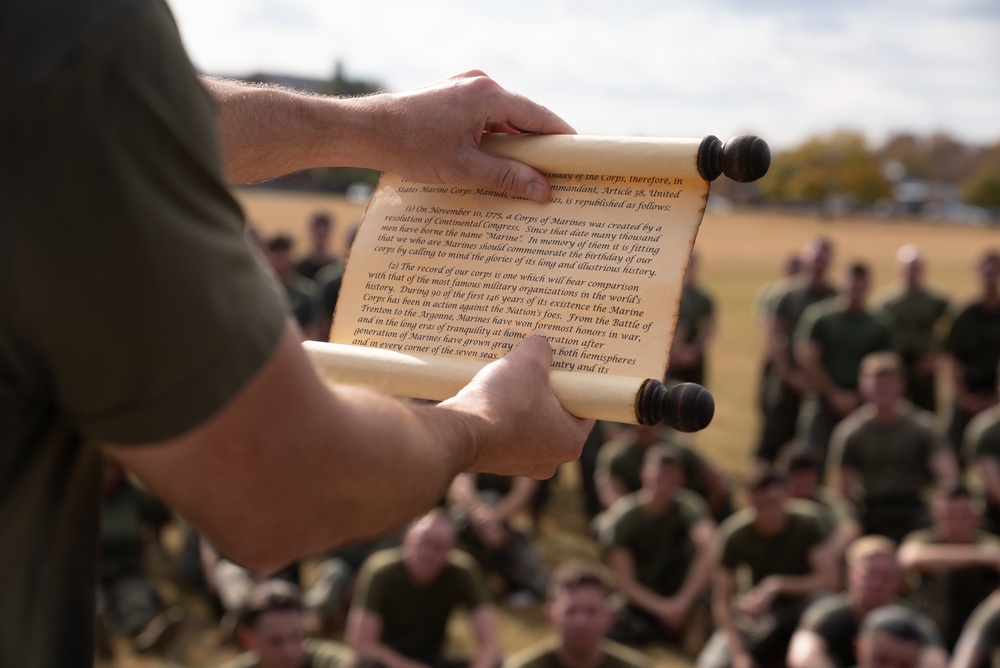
<point x="511" y="177"/>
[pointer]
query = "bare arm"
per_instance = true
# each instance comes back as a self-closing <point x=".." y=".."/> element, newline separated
<point x="364" y="635"/>
<point x="429" y="134"/>
<point x="776" y="334"/>
<point x="609" y="489"/>
<point x="724" y="614"/>
<point x="847" y="480"/>
<point x="926" y="557"/>
<point x="822" y="576"/>
<point x="487" y="638"/>
<point x="988" y="469"/>
<point x="700" y="571"/>
<point x="266" y="476"/>
<point x="809" y="355"/>
<point x="945" y="466"/>
<point x="623" y="565"/>
<point x="517" y="499"/>
<point x="672" y="610"/>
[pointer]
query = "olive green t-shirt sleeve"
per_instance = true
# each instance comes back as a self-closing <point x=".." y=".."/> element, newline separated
<point x="139" y="301"/>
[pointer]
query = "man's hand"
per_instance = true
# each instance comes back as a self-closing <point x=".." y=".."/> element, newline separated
<point x="758" y="600"/>
<point x="517" y="426"/>
<point x="431" y="134"/>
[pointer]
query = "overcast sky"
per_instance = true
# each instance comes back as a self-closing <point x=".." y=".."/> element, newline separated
<point x="781" y="69"/>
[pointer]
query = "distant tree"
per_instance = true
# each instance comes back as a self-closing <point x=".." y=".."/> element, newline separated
<point x="983" y="187"/>
<point x="835" y="165"/>
<point x="936" y="157"/>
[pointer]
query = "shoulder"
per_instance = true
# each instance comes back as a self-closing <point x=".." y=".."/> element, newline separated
<point x="803" y="511"/>
<point x="984" y="429"/>
<point x="691" y="504"/>
<point x="856" y="420"/>
<point x="736" y="525"/>
<point x="383" y="562"/>
<point x="825" y="610"/>
<point x="968" y="315"/>
<point x="620" y="520"/>
<point x="806" y="521"/>
<point x="919" y="417"/>
<point x="462" y="562"/>
<point x="821" y="314"/>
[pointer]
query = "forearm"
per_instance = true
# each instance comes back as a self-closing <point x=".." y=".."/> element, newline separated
<point x="923" y="557"/>
<point x="278" y="465"/>
<point x="700" y="569"/>
<point x="267" y="131"/>
<point x="463" y="491"/>
<point x="846" y="484"/>
<point x="288" y="466"/>
<point x="800" y="585"/>
<point x="988" y="468"/>
<point x="809" y="356"/>
<point x="776" y="347"/>
<point x="723" y="610"/>
<point x="517" y="499"/>
<point x="609" y="490"/>
<point x="488" y="642"/>
<point x="945" y="467"/>
<point x="637" y="594"/>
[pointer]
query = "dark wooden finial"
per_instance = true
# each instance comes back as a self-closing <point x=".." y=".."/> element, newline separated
<point x="743" y="158"/>
<point x="685" y="407"/>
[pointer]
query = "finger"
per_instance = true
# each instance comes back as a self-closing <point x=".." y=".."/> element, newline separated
<point x="509" y="176"/>
<point x="527" y="116"/>
<point x="538" y="347"/>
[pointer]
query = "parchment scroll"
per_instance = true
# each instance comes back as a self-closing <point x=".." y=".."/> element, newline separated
<point x="443" y="279"/>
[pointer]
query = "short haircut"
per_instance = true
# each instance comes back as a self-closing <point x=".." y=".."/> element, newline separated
<point x="880" y="362"/>
<point x="897" y="621"/>
<point x="663" y="454"/>
<point x="270" y="596"/>
<point x="798" y="456"/>
<point x="573" y="574"/>
<point x="858" y="270"/>
<point x="320" y="218"/>
<point x="435" y="514"/>
<point x="763" y="476"/>
<point x="954" y="490"/>
<point x="280" y="242"/>
<point x="869" y="546"/>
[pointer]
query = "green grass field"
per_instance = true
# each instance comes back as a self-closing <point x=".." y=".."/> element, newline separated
<point x="739" y="253"/>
